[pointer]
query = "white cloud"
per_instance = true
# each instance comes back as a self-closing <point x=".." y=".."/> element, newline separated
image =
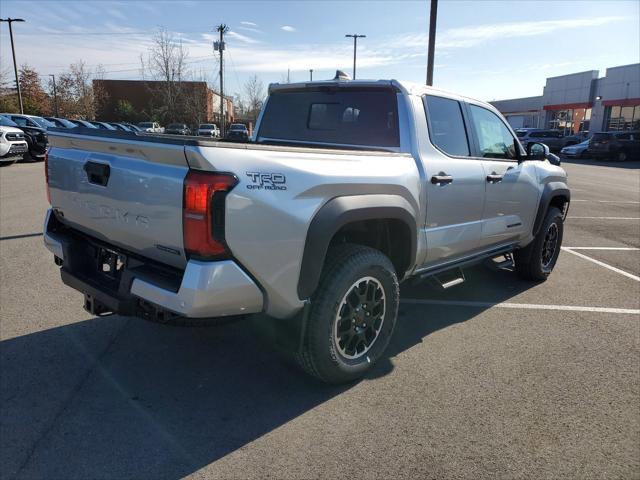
<point x="250" y="29"/>
<point x="250" y="24"/>
<point x="242" y="38"/>
<point x="288" y="28"/>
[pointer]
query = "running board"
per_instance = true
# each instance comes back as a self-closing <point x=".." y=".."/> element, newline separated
<point x="449" y="279"/>
<point x="507" y="262"/>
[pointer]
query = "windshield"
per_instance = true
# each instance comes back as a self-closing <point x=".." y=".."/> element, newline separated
<point x="66" y="122"/>
<point x="340" y="116"/>
<point x="585" y="143"/>
<point x="600" y="136"/>
<point x="238" y="126"/>
<point x="42" y="122"/>
<point x="208" y="126"/>
<point x="177" y="125"/>
<point x="7" y="122"/>
<point x="146" y="125"/>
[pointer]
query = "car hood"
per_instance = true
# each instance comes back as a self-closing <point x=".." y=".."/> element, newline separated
<point x="4" y="129"/>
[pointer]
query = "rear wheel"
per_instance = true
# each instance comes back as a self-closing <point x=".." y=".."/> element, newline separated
<point x="621" y="156"/>
<point x="353" y="314"/>
<point x="536" y="260"/>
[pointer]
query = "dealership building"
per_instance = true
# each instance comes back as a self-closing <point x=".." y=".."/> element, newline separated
<point x="581" y="101"/>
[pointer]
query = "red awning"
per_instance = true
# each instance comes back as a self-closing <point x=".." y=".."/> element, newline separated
<point x="568" y="106"/>
<point x="622" y="102"/>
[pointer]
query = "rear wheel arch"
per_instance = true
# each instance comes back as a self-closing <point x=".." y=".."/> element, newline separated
<point x="384" y="222"/>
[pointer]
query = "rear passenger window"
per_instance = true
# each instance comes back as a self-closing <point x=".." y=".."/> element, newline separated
<point x="494" y="137"/>
<point x="446" y="125"/>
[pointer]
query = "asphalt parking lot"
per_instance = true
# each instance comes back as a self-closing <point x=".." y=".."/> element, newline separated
<point x="496" y="378"/>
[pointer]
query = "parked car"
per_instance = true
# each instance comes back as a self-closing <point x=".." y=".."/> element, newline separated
<point x="151" y="127"/>
<point x="208" y="130"/>
<point x="35" y="129"/>
<point x="121" y="126"/>
<point x="132" y="127"/>
<point x="348" y="191"/>
<point x="576" y="151"/>
<point x="102" y="125"/>
<point x="238" y="132"/>
<point x="83" y="123"/>
<point x="554" y="139"/>
<point x="618" y="146"/>
<point x="13" y="142"/>
<point x="177" y="129"/>
<point x="61" y="122"/>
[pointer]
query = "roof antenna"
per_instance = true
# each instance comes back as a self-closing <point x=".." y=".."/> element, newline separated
<point x="340" y="75"/>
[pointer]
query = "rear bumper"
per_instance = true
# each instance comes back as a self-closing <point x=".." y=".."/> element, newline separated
<point x="205" y="289"/>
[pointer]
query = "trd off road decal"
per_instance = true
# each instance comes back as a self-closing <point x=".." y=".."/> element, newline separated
<point x="266" y="181"/>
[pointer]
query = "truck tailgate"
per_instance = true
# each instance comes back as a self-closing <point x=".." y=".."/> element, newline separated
<point x="123" y="191"/>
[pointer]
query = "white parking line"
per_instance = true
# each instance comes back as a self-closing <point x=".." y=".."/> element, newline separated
<point x="605" y="201"/>
<point x="623" y="249"/>
<point x="602" y="264"/>
<point x="525" y="306"/>
<point x="605" y="218"/>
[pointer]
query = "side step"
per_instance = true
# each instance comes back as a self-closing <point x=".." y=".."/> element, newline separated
<point x="506" y="263"/>
<point x="449" y="279"/>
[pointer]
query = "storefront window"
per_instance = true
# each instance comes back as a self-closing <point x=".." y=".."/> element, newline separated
<point x="570" y="121"/>
<point x="622" y="117"/>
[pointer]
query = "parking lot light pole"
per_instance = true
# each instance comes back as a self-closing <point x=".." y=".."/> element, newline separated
<point x="13" y="52"/>
<point x="55" y="94"/>
<point x="432" y="41"/>
<point x="222" y="29"/>
<point x="311" y="74"/>
<point x="355" y="37"/>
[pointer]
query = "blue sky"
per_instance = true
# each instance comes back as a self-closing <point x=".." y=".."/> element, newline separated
<point x="488" y="50"/>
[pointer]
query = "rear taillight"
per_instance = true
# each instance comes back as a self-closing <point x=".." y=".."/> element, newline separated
<point x="46" y="174"/>
<point x="203" y="213"/>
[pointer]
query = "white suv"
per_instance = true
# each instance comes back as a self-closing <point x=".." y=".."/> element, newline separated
<point x="13" y="144"/>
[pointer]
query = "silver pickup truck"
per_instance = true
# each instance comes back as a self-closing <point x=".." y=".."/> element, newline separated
<point x="346" y="189"/>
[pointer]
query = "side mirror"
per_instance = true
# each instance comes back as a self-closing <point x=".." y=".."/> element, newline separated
<point x="540" y="151"/>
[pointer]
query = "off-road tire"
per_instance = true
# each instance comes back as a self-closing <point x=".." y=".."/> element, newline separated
<point x="530" y="264"/>
<point x="319" y="355"/>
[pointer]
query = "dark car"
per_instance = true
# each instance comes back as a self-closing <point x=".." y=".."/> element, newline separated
<point x="61" y="122"/>
<point x="238" y="133"/>
<point x="121" y="127"/>
<point x="103" y="125"/>
<point x="554" y="139"/>
<point x="83" y="123"/>
<point x="35" y="129"/>
<point x="618" y="146"/>
<point x="177" y="129"/>
<point x="132" y="127"/>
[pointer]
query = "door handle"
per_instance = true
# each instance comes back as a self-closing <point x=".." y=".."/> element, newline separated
<point x="441" y="179"/>
<point x="97" y="173"/>
<point x="494" y="177"/>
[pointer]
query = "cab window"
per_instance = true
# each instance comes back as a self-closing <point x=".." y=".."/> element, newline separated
<point x="446" y="125"/>
<point x="494" y="138"/>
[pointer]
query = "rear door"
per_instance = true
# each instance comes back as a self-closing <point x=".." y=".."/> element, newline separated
<point x="126" y="193"/>
<point x="512" y="191"/>
<point x="454" y="184"/>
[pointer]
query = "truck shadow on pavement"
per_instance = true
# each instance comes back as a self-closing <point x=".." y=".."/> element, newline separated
<point x="113" y="397"/>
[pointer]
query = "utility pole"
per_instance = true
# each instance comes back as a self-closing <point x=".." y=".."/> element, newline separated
<point x="432" y="41"/>
<point x="55" y="94"/>
<point x="288" y="75"/>
<point x="355" y="37"/>
<point x="311" y="74"/>
<point x="220" y="46"/>
<point x="13" y="52"/>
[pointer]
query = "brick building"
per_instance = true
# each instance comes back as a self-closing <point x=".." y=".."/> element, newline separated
<point x="200" y="103"/>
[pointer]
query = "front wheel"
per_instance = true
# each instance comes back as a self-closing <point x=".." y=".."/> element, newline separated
<point x="353" y="314"/>
<point x="536" y="260"/>
<point x="621" y="156"/>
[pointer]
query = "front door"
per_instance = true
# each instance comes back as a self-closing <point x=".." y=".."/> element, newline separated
<point x="454" y="184"/>
<point x="511" y="188"/>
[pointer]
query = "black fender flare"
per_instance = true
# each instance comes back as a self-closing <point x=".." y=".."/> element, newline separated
<point x="337" y="213"/>
<point x="550" y="191"/>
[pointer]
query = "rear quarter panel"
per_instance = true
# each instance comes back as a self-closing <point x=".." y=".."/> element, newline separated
<point x="266" y="227"/>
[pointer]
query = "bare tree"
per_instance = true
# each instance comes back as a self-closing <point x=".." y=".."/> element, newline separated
<point x="254" y="93"/>
<point x="167" y="61"/>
